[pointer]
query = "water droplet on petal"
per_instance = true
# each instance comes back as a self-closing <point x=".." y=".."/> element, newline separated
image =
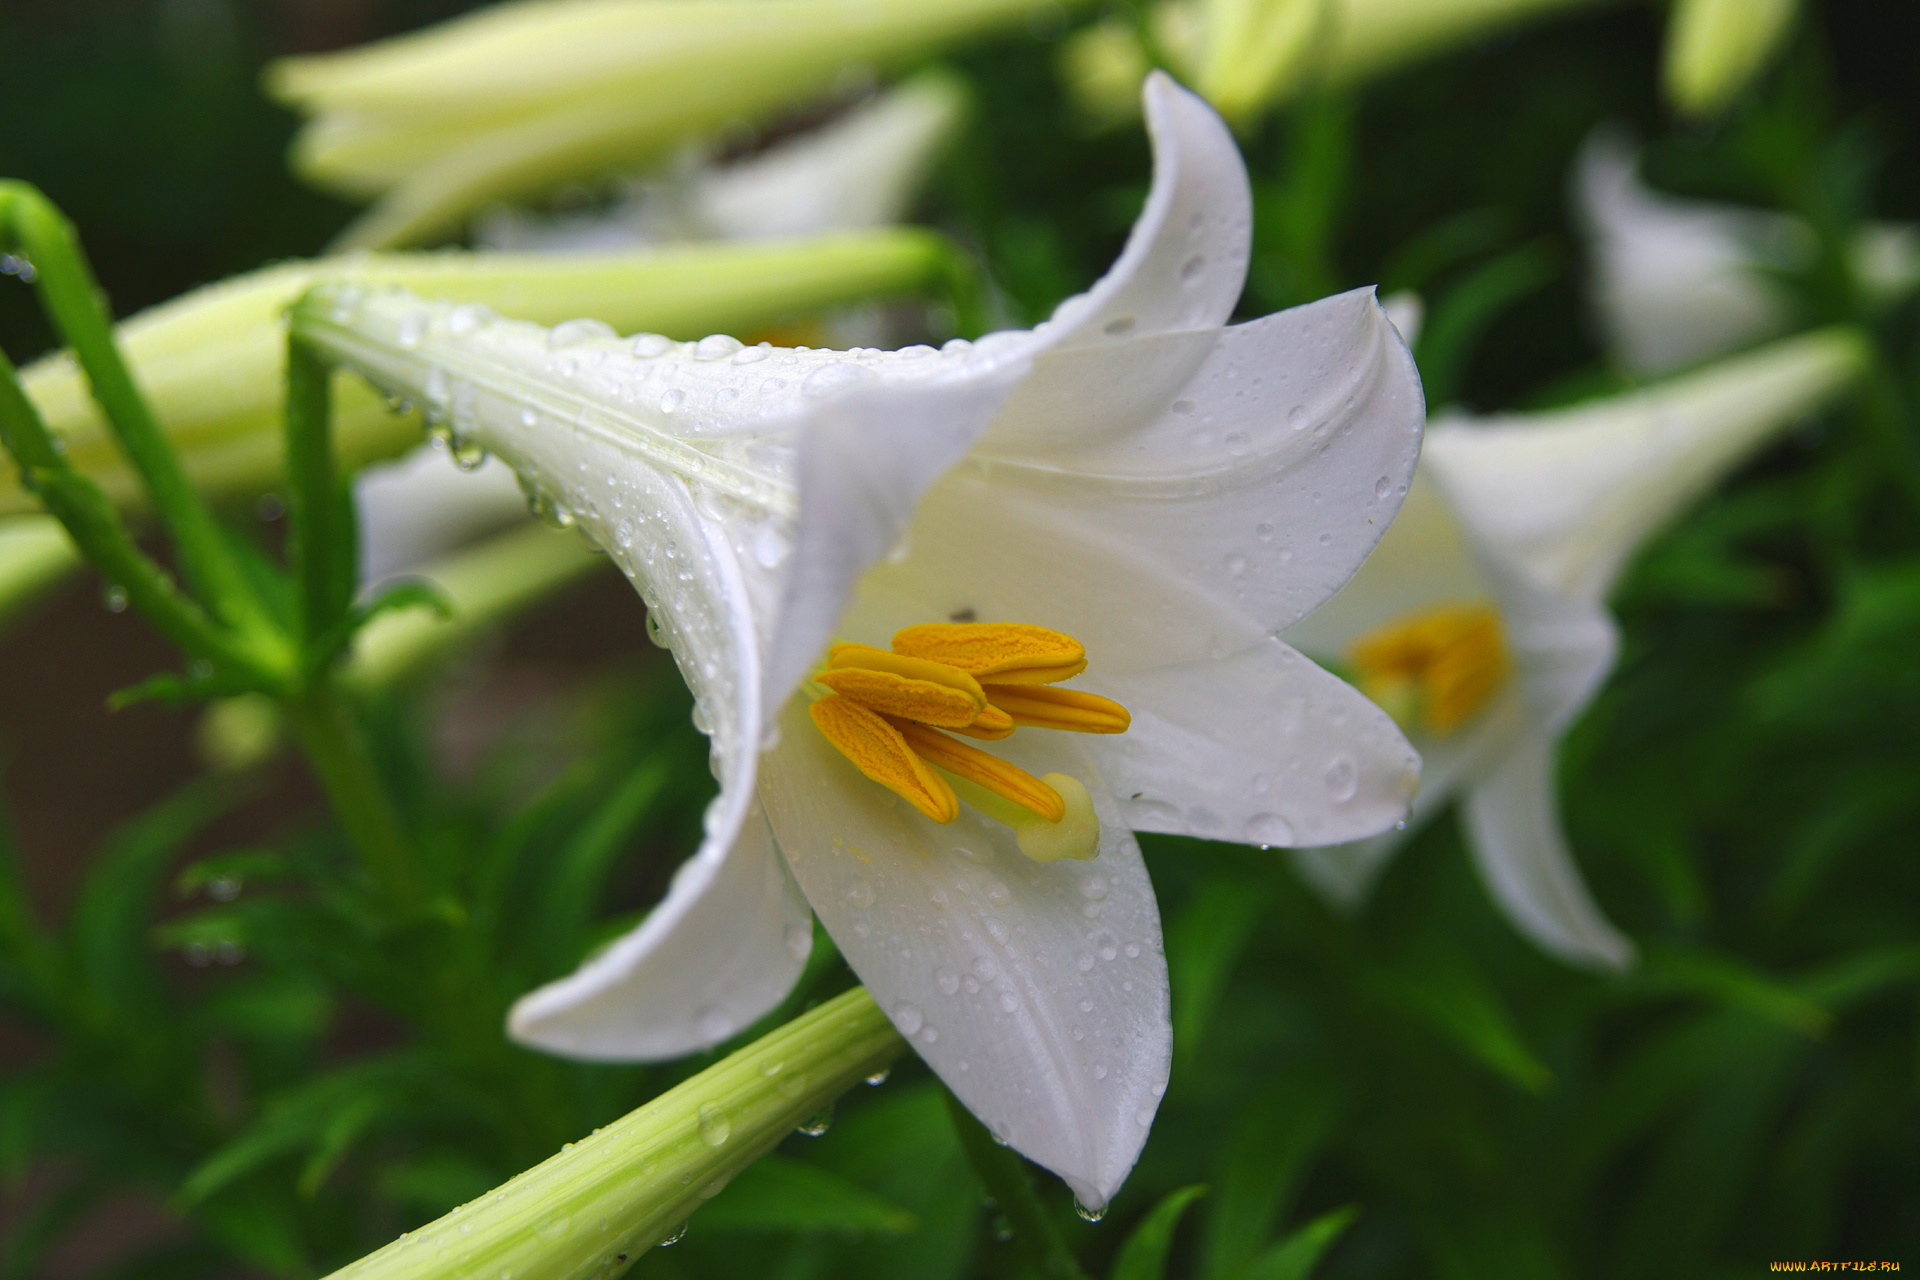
<point x="1383" y="486"/>
<point x="716" y="346"/>
<point x="1298" y="418"/>
<point x="672" y="400"/>
<point x="1089" y="1215"/>
<point x="1267" y="829"/>
<point x="907" y="1018"/>
<point x="817" y="1123"/>
<point x="1343" y="780"/>
<point x="829" y="378"/>
<point x="649" y="345"/>
<point x="860" y="894"/>
<point x="715" y="1128"/>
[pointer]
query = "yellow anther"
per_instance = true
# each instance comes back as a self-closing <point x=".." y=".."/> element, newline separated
<point x="893" y="695"/>
<point x="1002" y="652"/>
<point x="878" y="750"/>
<point x="1038" y="707"/>
<point x="1436" y="667"/>
<point x="992" y="724"/>
<point x="1076" y="835"/>
<point x="978" y="767"/>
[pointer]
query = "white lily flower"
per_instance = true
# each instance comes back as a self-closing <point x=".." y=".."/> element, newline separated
<point x="1676" y="282"/>
<point x="520" y="99"/>
<point x="1481" y="618"/>
<point x="1131" y="472"/>
<point x="859" y="171"/>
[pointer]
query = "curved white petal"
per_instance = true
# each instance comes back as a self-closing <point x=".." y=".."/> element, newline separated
<point x="1260" y="748"/>
<point x="423" y="505"/>
<point x="722" y="949"/>
<point x="1513" y="826"/>
<point x="1425" y="559"/>
<point x="1345" y="873"/>
<point x="1566" y="497"/>
<point x="1180" y="526"/>
<point x="1038" y="992"/>
<point x="875" y="448"/>
<point x="1677" y="281"/>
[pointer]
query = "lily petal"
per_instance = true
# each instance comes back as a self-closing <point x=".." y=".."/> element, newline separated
<point x="1513" y="826"/>
<point x="1234" y="501"/>
<point x="1038" y="992"/>
<point x="722" y="949"/>
<point x="861" y="476"/>
<point x="1566" y="497"/>
<point x="1231" y="749"/>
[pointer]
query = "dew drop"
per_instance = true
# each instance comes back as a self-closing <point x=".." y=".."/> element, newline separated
<point x="1263" y="531"/>
<point x="413" y="327"/>
<point x="571" y="333"/>
<point x="1088" y="1215"/>
<point x="752" y="355"/>
<point x="1190" y="269"/>
<point x="716" y="346"/>
<point x="1383" y="486"/>
<point x="1298" y="417"/>
<point x="907" y="1018"/>
<point x="649" y="345"/>
<point x="817" y="1123"/>
<point x="860" y="894"/>
<point x="1238" y="443"/>
<point x="879" y="1077"/>
<point x="1267" y="829"/>
<point x="557" y="1227"/>
<point x="672" y="400"/>
<point x="947" y="980"/>
<point x="829" y="378"/>
<point x="114" y="598"/>
<point x="715" y="1128"/>
<point x="673" y="1236"/>
<point x="466" y="319"/>
<point x="1343" y="780"/>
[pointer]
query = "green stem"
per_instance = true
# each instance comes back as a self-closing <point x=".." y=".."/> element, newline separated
<point x="319" y="503"/>
<point x="96" y="528"/>
<point x="73" y="301"/>
<point x="1010" y="1183"/>
<point x="339" y="756"/>
<point x="627" y="1187"/>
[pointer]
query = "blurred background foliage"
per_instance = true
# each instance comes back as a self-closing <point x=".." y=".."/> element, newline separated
<point x="211" y="1068"/>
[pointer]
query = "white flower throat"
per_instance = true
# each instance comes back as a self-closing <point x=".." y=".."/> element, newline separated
<point x="891" y="712"/>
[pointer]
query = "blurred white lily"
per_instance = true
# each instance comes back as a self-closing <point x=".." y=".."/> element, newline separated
<point x="861" y="170"/>
<point x="1131" y="473"/>
<point x="1481" y="619"/>
<point x="519" y="99"/>
<point x="1676" y="282"/>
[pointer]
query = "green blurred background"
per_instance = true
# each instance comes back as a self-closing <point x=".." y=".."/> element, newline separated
<point x="1744" y="797"/>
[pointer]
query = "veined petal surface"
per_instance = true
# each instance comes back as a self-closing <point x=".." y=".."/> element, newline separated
<point x="1038" y="992"/>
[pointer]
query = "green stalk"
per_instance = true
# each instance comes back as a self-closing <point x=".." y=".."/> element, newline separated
<point x="339" y="756"/>
<point x="588" y="1210"/>
<point x="96" y="528"/>
<point x="78" y="310"/>
<point x="319" y="503"/>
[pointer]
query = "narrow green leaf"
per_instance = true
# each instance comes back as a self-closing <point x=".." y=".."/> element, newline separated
<point x="1446" y="992"/>
<point x="1144" y="1255"/>
<point x="1295" y="1257"/>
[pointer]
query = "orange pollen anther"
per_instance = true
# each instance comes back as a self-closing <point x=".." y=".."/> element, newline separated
<point x="981" y="680"/>
<point x="1436" y="668"/>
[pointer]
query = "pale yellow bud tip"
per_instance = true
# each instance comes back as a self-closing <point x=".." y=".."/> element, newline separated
<point x="1076" y="835"/>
